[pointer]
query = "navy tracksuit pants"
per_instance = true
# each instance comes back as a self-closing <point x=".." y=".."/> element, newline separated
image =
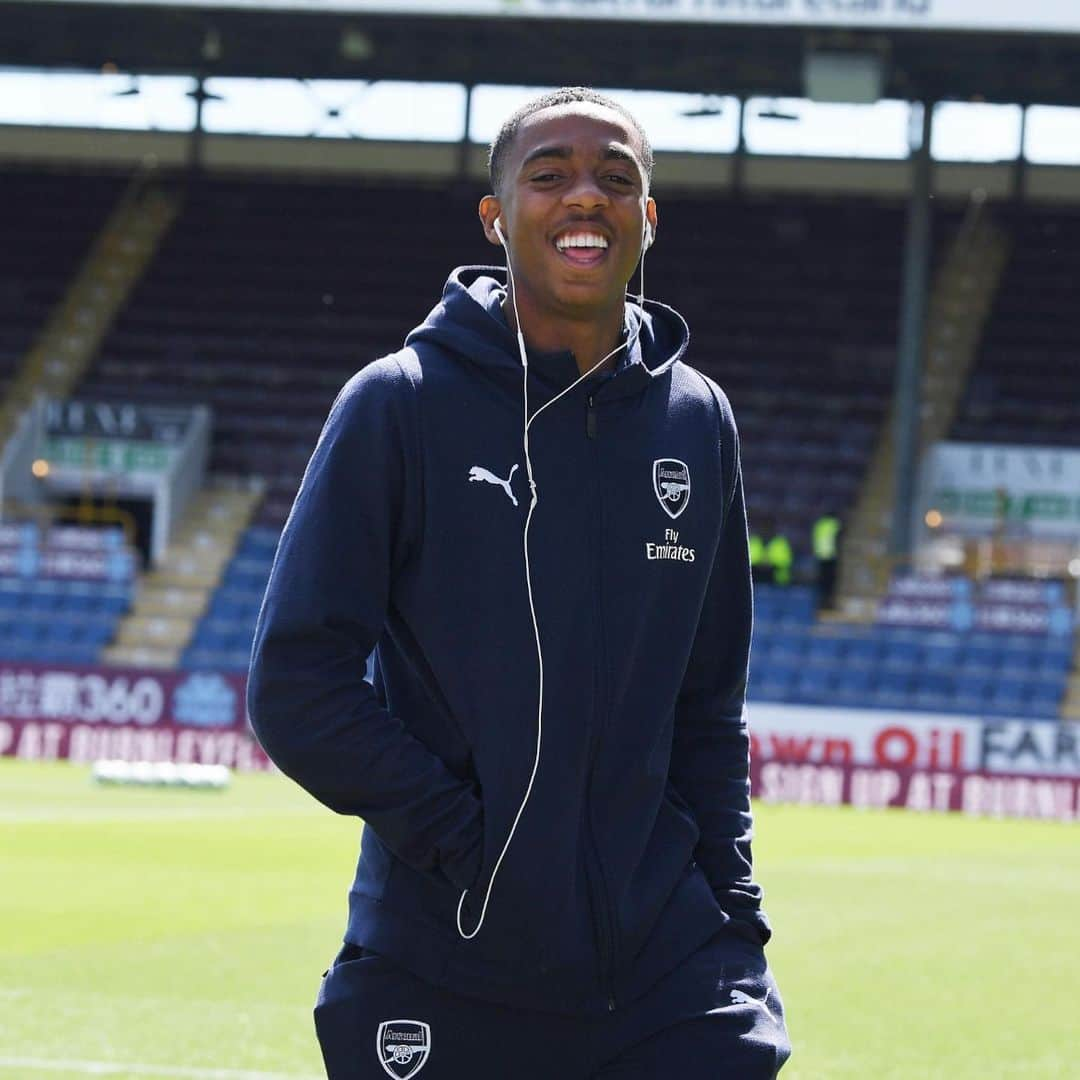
<point x="718" y="1016"/>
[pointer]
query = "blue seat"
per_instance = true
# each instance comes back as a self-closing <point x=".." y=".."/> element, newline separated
<point x="237" y="660"/>
<point x="30" y="631"/>
<point x="81" y="603"/>
<point x="813" y="686"/>
<point x="980" y="657"/>
<point x="770" y="684"/>
<point x="115" y="603"/>
<point x="1009" y="696"/>
<point x="863" y="650"/>
<point x="824" y="650"/>
<point x="934" y="690"/>
<point x="902" y="654"/>
<point x="1046" y="695"/>
<point x="1052" y="663"/>
<point x="43" y="600"/>
<point x="1016" y="661"/>
<point x="1011" y="686"/>
<point x="798" y="606"/>
<point x="893" y="688"/>
<point x="63" y="631"/>
<point x="787" y="647"/>
<point x="761" y="645"/>
<point x="942" y="655"/>
<point x="1022" y="643"/>
<point x="972" y="690"/>
<point x="96" y="634"/>
<point x="213" y="635"/>
<point x="852" y="686"/>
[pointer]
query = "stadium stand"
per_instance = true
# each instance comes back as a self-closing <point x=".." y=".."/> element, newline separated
<point x="222" y="638"/>
<point x="266" y="296"/>
<point x="1026" y="385"/>
<point x="48" y="221"/>
<point x="912" y="667"/>
<point x="62" y="591"/>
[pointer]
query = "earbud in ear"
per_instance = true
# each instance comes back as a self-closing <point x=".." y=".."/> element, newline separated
<point x="647" y="239"/>
<point x="498" y="231"/>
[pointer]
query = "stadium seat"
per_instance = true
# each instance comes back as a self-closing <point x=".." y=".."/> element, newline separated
<point x="813" y="686"/>
<point x="1017" y="661"/>
<point x="1009" y="696"/>
<point x="824" y="650"/>
<point x="934" y="690"/>
<point x="902" y="654"/>
<point x="972" y="689"/>
<point x="893" y="688"/>
<point x="981" y="656"/>
<point x="1046" y="695"/>
<point x="863" y="650"/>
<point x="853" y="686"/>
<point x="942" y="654"/>
<point x="770" y="684"/>
<point x="788" y="647"/>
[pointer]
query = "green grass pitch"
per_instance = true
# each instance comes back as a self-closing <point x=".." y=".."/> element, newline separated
<point x="182" y="934"/>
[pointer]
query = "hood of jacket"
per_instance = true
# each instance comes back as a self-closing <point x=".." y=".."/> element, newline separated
<point x="469" y="322"/>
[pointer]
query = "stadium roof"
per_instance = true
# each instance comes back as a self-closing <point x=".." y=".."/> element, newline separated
<point x="328" y="40"/>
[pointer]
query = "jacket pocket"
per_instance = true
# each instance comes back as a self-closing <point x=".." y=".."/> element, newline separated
<point x="677" y="806"/>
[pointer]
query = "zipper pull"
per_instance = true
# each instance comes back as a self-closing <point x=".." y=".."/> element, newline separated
<point x="590" y="420"/>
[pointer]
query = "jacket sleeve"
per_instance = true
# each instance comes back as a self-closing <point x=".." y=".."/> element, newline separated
<point x="352" y="526"/>
<point x="710" y="762"/>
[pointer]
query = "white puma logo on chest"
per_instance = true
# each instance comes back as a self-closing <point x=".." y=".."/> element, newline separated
<point x="478" y="472"/>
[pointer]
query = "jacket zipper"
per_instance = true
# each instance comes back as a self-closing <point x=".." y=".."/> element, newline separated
<point x="606" y="934"/>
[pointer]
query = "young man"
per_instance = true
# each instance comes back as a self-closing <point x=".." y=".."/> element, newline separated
<point x="534" y="513"/>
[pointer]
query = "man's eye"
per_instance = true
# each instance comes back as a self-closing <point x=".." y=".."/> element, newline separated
<point x="619" y="178"/>
<point x="542" y="177"/>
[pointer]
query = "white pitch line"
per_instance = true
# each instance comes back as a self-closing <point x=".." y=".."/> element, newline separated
<point x="112" y="1068"/>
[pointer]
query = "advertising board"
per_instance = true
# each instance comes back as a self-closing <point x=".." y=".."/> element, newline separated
<point x="81" y="714"/>
<point x="983" y="794"/>
<point x="983" y="489"/>
<point x="1010" y="768"/>
<point x="915" y="740"/>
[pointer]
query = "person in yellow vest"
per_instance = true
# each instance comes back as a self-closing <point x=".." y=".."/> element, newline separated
<point x="770" y="560"/>
<point x="780" y="557"/>
<point x="825" y="538"/>
<point x="760" y="567"/>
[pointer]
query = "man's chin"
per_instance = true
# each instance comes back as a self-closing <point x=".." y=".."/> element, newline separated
<point x="585" y="297"/>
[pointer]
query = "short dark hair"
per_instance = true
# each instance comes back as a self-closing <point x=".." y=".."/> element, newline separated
<point x="567" y="95"/>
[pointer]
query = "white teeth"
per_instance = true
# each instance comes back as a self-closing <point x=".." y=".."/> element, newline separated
<point x="581" y="240"/>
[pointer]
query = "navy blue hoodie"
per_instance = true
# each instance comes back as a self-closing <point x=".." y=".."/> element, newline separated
<point x="407" y="536"/>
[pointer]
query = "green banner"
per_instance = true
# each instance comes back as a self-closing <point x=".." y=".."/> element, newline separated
<point x="107" y="455"/>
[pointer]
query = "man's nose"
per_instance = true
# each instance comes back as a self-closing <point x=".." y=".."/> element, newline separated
<point x="586" y="193"/>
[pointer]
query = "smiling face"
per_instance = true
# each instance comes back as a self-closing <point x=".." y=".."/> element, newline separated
<point x="573" y="207"/>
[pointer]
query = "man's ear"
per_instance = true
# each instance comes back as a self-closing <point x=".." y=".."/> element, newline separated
<point x="490" y="209"/>
<point x="652" y="219"/>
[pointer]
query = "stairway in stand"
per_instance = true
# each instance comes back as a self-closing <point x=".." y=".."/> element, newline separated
<point x="171" y="598"/>
<point x="960" y="303"/>
<point x="70" y="338"/>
